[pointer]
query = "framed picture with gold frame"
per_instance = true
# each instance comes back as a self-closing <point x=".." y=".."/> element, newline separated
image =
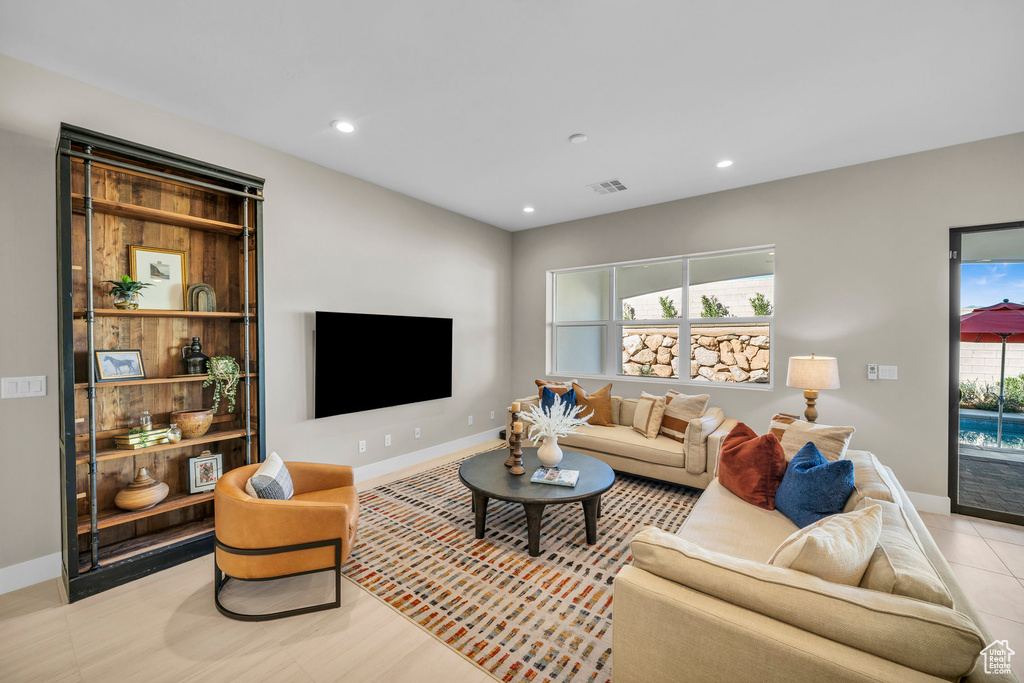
<point x="165" y="270"/>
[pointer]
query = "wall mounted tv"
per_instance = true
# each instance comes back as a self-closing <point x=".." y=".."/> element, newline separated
<point x="348" y="380"/>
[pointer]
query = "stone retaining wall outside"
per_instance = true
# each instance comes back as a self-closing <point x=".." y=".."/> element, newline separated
<point x="717" y="353"/>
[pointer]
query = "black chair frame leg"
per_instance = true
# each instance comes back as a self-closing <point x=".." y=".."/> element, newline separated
<point x="220" y="579"/>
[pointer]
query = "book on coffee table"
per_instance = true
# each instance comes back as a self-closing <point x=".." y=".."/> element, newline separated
<point x="556" y="476"/>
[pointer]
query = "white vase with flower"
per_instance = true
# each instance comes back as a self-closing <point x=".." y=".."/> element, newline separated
<point x="559" y="420"/>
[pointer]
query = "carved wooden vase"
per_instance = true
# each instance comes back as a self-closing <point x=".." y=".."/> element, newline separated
<point x="144" y="492"/>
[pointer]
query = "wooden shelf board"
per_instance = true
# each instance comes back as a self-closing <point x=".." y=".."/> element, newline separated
<point x="123" y="550"/>
<point x="151" y="380"/>
<point x="115" y="516"/>
<point x="143" y="213"/>
<point x="114" y="453"/>
<point x="150" y="313"/>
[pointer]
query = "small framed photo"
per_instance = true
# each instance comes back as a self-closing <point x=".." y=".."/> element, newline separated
<point x="165" y="270"/>
<point x="204" y="471"/>
<point x="119" y="364"/>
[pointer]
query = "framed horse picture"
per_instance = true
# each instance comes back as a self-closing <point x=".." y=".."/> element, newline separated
<point x="119" y="365"/>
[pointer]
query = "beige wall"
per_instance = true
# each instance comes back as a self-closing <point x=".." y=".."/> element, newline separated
<point x="861" y="274"/>
<point x="332" y="243"/>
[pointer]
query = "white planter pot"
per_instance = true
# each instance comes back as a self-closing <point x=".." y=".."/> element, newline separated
<point x="549" y="453"/>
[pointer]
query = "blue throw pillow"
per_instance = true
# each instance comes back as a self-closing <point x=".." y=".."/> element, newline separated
<point x="549" y="399"/>
<point x="813" y="488"/>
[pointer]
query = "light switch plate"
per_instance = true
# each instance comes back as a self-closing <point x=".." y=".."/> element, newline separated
<point x="887" y="372"/>
<point x="23" y="387"/>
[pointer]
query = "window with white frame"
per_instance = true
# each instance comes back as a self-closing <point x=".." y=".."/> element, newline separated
<point x="705" y="318"/>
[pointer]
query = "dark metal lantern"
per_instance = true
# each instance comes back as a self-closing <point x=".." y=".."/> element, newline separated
<point x="195" y="359"/>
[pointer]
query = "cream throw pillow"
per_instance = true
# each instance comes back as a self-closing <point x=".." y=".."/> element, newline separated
<point x="794" y="435"/>
<point x="679" y="410"/>
<point x="836" y="548"/>
<point x="899" y="565"/>
<point x="649" y="411"/>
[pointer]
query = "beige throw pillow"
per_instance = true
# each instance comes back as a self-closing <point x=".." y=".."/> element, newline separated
<point x="649" y="411"/>
<point x="794" y="435"/>
<point x="836" y="548"/>
<point x="899" y="565"/>
<point x="679" y="410"/>
<point x="870" y="480"/>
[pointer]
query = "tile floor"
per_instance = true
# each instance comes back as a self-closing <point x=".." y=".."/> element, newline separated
<point x="165" y="627"/>
<point x="988" y="559"/>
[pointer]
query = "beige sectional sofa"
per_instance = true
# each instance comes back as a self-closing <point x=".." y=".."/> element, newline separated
<point x="692" y="462"/>
<point x="703" y="604"/>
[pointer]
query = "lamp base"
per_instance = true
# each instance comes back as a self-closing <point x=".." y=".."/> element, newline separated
<point x="811" y="414"/>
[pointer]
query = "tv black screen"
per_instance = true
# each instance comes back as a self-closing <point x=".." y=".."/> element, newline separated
<point x="365" y="362"/>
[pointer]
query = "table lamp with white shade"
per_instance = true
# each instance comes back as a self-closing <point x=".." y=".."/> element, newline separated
<point x="812" y="373"/>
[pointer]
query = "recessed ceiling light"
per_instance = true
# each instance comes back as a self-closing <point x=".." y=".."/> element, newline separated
<point x="577" y="138"/>
<point x="343" y="127"/>
<point x="724" y="163"/>
<point x="527" y="209"/>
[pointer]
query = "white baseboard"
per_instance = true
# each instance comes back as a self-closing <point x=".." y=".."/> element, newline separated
<point x="376" y="469"/>
<point x="30" y="572"/>
<point x="926" y="502"/>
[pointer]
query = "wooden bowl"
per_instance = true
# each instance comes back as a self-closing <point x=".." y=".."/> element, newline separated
<point x="193" y="423"/>
<point x="144" y="492"/>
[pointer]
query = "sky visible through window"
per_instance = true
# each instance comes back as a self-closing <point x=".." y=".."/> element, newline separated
<point x="985" y="284"/>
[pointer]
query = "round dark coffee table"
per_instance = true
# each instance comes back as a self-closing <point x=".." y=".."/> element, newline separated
<point x="487" y="477"/>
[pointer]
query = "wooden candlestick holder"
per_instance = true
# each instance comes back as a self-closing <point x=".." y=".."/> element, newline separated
<point x="515" y="444"/>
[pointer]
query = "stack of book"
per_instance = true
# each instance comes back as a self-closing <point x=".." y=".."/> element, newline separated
<point x="555" y="476"/>
<point x="136" y="440"/>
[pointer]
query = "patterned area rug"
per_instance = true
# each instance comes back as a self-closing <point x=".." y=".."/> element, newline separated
<point x="539" y="619"/>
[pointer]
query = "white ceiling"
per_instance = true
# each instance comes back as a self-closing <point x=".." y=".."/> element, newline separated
<point x="468" y="104"/>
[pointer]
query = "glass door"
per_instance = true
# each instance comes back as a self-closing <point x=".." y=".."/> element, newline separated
<point x="988" y="330"/>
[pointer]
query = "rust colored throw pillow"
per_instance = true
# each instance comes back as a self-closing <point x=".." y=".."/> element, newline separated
<point x="599" y="402"/>
<point x="557" y="388"/>
<point x="752" y="466"/>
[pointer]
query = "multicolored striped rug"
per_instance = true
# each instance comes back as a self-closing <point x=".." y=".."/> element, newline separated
<point x="519" y="618"/>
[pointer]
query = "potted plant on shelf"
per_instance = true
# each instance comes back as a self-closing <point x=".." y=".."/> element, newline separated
<point x="560" y="420"/>
<point x="126" y="292"/>
<point x="223" y="375"/>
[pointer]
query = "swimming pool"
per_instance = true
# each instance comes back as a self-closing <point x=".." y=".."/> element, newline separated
<point x="980" y="430"/>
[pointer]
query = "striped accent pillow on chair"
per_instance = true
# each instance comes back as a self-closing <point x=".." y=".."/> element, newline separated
<point x="679" y="410"/>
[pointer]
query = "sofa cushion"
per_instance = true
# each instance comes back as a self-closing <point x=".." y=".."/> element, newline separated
<point x="813" y="487"/>
<point x="617" y="410"/>
<point x="724" y="522"/>
<point x="794" y="434"/>
<point x="698" y="431"/>
<point x="649" y="411"/>
<point x="679" y="410"/>
<point x="899" y="564"/>
<point x="752" y="466"/>
<point x="550" y="400"/>
<point x="622" y="440"/>
<point x="555" y="387"/>
<point x="598" y="404"/>
<point x="835" y="548"/>
<point x="926" y="637"/>
<point x="870" y="480"/>
<point x="627" y="410"/>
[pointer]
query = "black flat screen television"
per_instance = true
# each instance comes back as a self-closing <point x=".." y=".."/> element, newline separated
<point x="364" y="362"/>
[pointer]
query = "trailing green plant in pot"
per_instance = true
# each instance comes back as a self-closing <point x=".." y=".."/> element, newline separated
<point x="223" y="376"/>
<point x="126" y="292"/>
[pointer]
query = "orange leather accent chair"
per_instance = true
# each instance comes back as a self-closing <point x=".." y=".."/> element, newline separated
<point x="270" y="539"/>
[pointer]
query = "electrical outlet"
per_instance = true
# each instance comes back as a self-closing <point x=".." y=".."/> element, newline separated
<point x="492" y="414"/>
<point x="416" y="433"/>
<point x="470" y="420"/>
<point x="362" y="446"/>
<point x="872" y="370"/>
<point x="887" y="372"/>
<point x="387" y="440"/>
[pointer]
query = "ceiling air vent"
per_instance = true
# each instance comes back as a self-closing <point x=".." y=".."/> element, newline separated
<point x="608" y="186"/>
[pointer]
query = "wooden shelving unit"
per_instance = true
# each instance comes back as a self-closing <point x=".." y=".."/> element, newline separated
<point x="141" y="313"/>
<point x="113" y="194"/>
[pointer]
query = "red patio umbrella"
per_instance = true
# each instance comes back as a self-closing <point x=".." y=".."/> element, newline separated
<point x="1001" y="323"/>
